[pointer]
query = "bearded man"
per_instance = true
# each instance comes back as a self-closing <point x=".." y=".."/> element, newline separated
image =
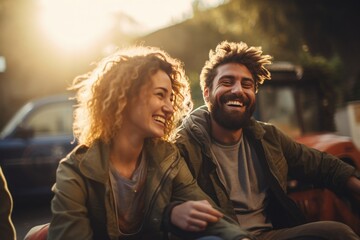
<point x="244" y="164"/>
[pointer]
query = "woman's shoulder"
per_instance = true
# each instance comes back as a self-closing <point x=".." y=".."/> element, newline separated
<point x="75" y="156"/>
<point x="160" y="143"/>
<point x="161" y="148"/>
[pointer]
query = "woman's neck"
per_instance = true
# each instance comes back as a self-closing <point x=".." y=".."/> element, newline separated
<point x="125" y="152"/>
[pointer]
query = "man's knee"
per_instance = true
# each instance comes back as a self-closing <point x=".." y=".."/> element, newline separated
<point x="336" y="230"/>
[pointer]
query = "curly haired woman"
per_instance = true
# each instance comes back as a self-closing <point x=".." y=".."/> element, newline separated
<point x="126" y="180"/>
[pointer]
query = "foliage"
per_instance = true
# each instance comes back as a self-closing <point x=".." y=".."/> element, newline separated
<point x="328" y="72"/>
<point x="326" y="75"/>
<point x="196" y="93"/>
<point x="292" y="31"/>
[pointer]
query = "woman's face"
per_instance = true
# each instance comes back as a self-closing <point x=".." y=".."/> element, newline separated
<point x="147" y="113"/>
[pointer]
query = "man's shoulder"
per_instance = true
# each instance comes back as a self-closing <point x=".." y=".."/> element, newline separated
<point x="195" y="125"/>
<point x="259" y="128"/>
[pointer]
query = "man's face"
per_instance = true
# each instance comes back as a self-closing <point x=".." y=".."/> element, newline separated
<point x="231" y="100"/>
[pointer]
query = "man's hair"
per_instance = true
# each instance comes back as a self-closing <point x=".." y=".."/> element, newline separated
<point x="233" y="52"/>
<point x="103" y="93"/>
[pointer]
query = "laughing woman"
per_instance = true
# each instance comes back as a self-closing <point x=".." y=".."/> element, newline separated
<point x="119" y="182"/>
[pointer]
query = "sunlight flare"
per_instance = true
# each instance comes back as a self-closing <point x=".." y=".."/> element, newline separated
<point x="73" y="24"/>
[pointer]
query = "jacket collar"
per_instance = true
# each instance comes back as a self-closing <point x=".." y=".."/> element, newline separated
<point x="94" y="160"/>
<point x="198" y="125"/>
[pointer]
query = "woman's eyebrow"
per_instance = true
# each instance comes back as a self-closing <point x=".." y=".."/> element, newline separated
<point x="162" y="88"/>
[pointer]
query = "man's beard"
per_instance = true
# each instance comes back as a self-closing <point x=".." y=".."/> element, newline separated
<point x="231" y="120"/>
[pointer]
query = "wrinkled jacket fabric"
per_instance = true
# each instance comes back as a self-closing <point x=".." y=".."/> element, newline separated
<point x="280" y="156"/>
<point x="84" y="207"/>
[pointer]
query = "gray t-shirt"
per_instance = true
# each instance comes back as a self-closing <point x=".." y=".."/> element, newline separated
<point x="129" y="196"/>
<point x="246" y="186"/>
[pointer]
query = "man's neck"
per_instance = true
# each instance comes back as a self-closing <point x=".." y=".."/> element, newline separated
<point x="223" y="135"/>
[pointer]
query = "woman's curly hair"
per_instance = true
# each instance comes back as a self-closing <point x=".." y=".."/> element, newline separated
<point x="233" y="52"/>
<point x="103" y="93"/>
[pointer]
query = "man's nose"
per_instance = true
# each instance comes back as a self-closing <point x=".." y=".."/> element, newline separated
<point x="237" y="88"/>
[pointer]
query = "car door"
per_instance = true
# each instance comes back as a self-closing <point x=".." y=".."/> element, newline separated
<point x="32" y="154"/>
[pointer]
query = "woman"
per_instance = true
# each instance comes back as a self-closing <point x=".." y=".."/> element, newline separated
<point x="118" y="182"/>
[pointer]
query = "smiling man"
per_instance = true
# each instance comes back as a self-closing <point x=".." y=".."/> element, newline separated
<point x="244" y="164"/>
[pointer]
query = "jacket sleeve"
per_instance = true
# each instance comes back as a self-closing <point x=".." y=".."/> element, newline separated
<point x="313" y="166"/>
<point x="185" y="188"/>
<point x="69" y="212"/>
<point x="7" y="230"/>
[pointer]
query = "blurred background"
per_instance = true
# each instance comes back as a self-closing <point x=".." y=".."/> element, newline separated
<point x="44" y="44"/>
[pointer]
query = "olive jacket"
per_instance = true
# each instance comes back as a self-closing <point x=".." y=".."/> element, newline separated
<point x="7" y="230"/>
<point x="280" y="156"/>
<point x="84" y="208"/>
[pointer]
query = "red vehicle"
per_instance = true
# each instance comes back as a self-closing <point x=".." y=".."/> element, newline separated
<point x="297" y="106"/>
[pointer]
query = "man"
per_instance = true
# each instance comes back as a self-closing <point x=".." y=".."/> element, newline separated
<point x="243" y="164"/>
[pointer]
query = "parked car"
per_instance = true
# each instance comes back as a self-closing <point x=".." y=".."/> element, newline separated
<point x="33" y="142"/>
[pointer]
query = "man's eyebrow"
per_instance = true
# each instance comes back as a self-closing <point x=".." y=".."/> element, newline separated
<point x="233" y="76"/>
<point x="249" y="78"/>
<point x="227" y="76"/>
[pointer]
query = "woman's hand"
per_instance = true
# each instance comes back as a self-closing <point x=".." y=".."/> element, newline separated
<point x="194" y="216"/>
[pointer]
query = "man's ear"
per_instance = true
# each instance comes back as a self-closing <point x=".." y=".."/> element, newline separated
<point x="206" y="95"/>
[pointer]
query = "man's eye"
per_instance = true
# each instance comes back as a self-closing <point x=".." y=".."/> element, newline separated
<point x="226" y="82"/>
<point x="248" y="84"/>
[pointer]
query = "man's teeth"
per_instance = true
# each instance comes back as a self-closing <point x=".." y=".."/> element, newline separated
<point x="235" y="103"/>
<point x="159" y="119"/>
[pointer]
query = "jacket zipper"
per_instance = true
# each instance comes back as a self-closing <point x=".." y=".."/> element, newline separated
<point x="158" y="188"/>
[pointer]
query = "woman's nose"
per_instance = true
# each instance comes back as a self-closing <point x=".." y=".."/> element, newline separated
<point x="168" y="107"/>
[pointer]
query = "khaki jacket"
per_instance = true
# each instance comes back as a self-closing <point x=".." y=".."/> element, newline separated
<point x="7" y="230"/>
<point x="83" y="206"/>
<point x="280" y="156"/>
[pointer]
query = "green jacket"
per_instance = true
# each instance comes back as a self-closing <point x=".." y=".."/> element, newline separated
<point x="7" y="230"/>
<point x="280" y="156"/>
<point x="83" y="206"/>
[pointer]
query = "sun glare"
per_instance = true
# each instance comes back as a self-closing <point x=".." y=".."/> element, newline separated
<point x="74" y="24"/>
<point x="78" y="24"/>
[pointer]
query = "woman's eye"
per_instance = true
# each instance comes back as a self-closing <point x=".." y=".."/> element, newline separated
<point x="160" y="94"/>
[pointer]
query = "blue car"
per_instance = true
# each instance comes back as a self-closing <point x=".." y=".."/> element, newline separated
<point x="33" y="142"/>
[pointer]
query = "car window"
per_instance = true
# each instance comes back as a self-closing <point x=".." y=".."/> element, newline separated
<point x="309" y="108"/>
<point x="51" y="120"/>
<point x="278" y="107"/>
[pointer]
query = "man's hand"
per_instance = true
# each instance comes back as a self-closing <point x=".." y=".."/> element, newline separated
<point x="194" y="216"/>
